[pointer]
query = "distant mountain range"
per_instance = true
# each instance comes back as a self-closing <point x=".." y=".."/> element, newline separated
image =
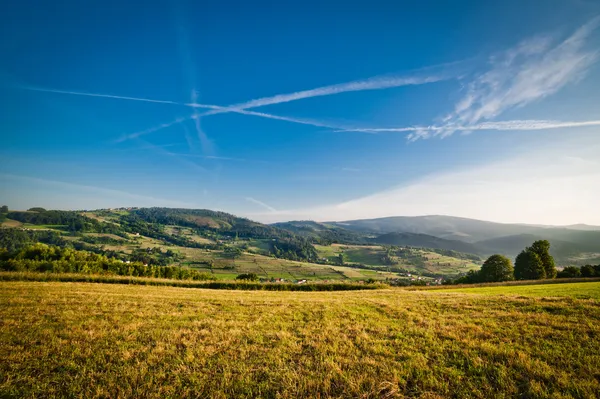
<point x="568" y="243"/>
<point x="450" y="227"/>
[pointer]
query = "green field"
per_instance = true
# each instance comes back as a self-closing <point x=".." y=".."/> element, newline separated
<point x="420" y="260"/>
<point x="264" y="266"/>
<point x="100" y="340"/>
<point x="574" y="290"/>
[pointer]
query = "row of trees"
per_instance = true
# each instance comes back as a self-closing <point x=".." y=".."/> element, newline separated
<point x="583" y="271"/>
<point x="49" y="258"/>
<point x="533" y="263"/>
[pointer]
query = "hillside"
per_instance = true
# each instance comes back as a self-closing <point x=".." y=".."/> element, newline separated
<point x="567" y="246"/>
<point x="217" y="244"/>
<point x="323" y="233"/>
<point x="448" y="227"/>
<point x="426" y="241"/>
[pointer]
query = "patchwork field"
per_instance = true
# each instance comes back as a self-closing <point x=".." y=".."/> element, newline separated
<point x="97" y="340"/>
<point x="268" y="267"/>
<point x="416" y="260"/>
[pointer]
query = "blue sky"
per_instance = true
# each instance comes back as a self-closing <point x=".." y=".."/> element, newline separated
<point x="313" y="110"/>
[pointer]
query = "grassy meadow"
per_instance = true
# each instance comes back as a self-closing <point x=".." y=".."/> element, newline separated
<point x="98" y="340"/>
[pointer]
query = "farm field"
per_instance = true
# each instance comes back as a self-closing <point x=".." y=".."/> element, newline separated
<point x="190" y="240"/>
<point x="97" y="340"/>
<point x="416" y="260"/>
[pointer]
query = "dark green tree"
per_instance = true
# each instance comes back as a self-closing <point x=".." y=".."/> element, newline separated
<point x="247" y="276"/>
<point x="497" y="268"/>
<point x="588" y="271"/>
<point x="529" y="266"/>
<point x="542" y="249"/>
<point x="232" y="252"/>
<point x="4" y="209"/>
<point x="569" y="272"/>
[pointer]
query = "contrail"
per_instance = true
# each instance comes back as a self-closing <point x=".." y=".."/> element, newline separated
<point x="257" y="202"/>
<point x="151" y="130"/>
<point x="162" y="151"/>
<point x="148" y="100"/>
<point x="308" y="122"/>
<point x="204" y="140"/>
<point x="375" y="83"/>
<point x="500" y="126"/>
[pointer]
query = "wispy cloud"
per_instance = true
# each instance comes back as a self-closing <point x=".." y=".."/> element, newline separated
<point x="533" y="70"/>
<point x="549" y="180"/>
<point x="260" y="203"/>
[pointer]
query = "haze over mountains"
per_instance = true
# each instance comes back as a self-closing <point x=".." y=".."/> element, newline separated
<point x="461" y="234"/>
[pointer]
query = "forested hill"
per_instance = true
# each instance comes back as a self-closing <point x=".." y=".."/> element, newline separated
<point x="322" y="233"/>
<point x="427" y="241"/>
<point x="211" y="228"/>
<point x="218" y="222"/>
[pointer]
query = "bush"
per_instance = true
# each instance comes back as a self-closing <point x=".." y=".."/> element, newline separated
<point x="247" y="276"/>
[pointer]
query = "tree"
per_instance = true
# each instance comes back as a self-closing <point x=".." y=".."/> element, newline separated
<point x="232" y="252"/>
<point x="247" y="276"/>
<point x="36" y="209"/>
<point x="341" y="259"/>
<point x="569" y="272"/>
<point x="542" y="249"/>
<point x="588" y="271"/>
<point x="529" y="266"/>
<point x="4" y="209"/>
<point x="497" y="268"/>
<point x="472" y="277"/>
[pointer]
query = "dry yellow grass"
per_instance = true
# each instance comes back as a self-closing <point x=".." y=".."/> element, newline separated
<point x="93" y="340"/>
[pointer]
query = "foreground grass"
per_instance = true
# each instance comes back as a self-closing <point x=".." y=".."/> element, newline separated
<point x="587" y="290"/>
<point x="96" y="340"/>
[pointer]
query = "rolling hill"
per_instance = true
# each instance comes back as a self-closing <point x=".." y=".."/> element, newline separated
<point x="426" y="241"/>
<point x="451" y="228"/>
<point x="323" y="233"/>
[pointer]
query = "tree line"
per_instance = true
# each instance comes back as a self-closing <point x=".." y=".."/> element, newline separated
<point x="533" y="263"/>
<point x="40" y="257"/>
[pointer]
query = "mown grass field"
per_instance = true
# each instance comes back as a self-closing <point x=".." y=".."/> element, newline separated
<point x="96" y="340"/>
<point x="574" y="290"/>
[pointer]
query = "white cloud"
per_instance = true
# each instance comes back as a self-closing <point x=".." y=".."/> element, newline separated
<point x="553" y="185"/>
<point x="531" y="71"/>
